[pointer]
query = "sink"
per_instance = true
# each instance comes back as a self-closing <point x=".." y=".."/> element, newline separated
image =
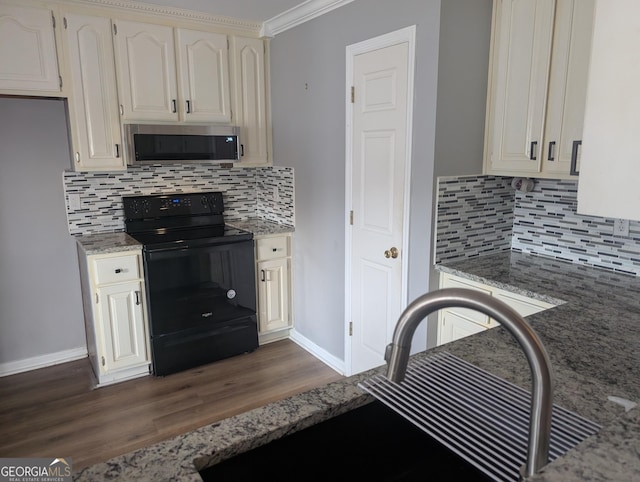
<point x="372" y="442"/>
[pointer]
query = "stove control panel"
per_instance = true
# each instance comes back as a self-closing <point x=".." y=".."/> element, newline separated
<point x="177" y="204"/>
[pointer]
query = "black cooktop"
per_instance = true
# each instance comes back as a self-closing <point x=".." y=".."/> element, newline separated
<point x="191" y="237"/>
<point x="179" y="220"/>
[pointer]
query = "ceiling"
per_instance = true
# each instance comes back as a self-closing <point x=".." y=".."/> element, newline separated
<point x="259" y="10"/>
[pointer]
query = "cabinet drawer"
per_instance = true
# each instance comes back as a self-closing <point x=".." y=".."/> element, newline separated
<point x="271" y="248"/>
<point x="117" y="268"/>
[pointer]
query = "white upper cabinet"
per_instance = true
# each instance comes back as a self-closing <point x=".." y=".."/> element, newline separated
<point x="250" y="98"/>
<point x="204" y="76"/>
<point x="150" y="69"/>
<point x="537" y="89"/>
<point x="146" y="67"/>
<point x="28" y="59"/>
<point x="93" y="103"/>
<point x="610" y="169"/>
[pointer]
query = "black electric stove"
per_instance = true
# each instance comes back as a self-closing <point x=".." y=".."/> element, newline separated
<point x="200" y="279"/>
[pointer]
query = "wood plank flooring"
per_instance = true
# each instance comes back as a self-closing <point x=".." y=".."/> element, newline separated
<point x="55" y="412"/>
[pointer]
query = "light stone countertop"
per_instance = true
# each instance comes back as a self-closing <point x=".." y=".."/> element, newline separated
<point x="103" y="243"/>
<point x="593" y="341"/>
<point x="260" y="227"/>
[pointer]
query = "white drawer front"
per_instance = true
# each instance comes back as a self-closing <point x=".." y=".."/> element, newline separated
<point x="271" y="248"/>
<point x="117" y="268"/>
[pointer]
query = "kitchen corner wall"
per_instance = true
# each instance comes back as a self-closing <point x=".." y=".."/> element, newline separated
<point x="263" y="192"/>
<point x="543" y="222"/>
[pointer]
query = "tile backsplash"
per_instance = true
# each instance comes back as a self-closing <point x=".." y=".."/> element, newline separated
<point x="263" y="192"/>
<point x="546" y="223"/>
<point x="542" y="222"/>
<point x="474" y="216"/>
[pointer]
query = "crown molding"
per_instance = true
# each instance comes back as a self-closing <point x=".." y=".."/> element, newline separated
<point x="299" y="14"/>
<point x="173" y="12"/>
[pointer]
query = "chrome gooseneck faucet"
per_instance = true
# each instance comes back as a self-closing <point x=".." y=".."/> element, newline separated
<point x="397" y="356"/>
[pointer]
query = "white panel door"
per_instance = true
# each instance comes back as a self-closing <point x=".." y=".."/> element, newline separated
<point x="378" y="179"/>
<point x="522" y="50"/>
<point x="146" y="69"/>
<point x="28" y="59"/>
<point x="204" y="81"/>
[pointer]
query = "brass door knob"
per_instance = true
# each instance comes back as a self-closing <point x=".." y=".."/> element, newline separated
<point x="391" y="253"/>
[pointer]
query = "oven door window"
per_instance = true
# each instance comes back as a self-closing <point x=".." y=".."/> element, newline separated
<point x="198" y="288"/>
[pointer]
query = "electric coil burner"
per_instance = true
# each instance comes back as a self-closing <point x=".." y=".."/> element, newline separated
<point x="200" y="279"/>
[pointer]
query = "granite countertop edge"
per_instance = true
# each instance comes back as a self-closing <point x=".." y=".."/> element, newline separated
<point x="119" y="241"/>
<point x="592" y="356"/>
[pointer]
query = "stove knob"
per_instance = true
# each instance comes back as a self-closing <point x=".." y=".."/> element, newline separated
<point x="134" y="206"/>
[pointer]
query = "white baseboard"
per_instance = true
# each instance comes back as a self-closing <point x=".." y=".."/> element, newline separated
<point x="41" y="361"/>
<point x="321" y="354"/>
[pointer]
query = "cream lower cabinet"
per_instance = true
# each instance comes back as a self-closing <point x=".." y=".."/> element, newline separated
<point x="115" y="315"/>
<point x="273" y="257"/>
<point x="456" y="323"/>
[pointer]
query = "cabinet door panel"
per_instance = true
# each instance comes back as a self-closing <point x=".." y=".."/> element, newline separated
<point x="250" y="97"/>
<point x="273" y="294"/>
<point x="567" y="82"/>
<point x="204" y="68"/>
<point x="452" y="327"/>
<point x="521" y="53"/>
<point x="94" y="103"/>
<point x="123" y="325"/>
<point x="28" y="59"/>
<point x="146" y="71"/>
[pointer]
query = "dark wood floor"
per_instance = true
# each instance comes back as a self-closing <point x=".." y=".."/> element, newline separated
<point x="54" y="412"/>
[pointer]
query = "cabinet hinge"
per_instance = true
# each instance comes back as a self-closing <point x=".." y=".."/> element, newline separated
<point x="53" y="20"/>
<point x="353" y="94"/>
<point x="351" y="328"/>
<point x="64" y="22"/>
<point x="351" y="217"/>
<point x="97" y="299"/>
<point x="60" y="77"/>
<point x="115" y="29"/>
<point x="104" y="362"/>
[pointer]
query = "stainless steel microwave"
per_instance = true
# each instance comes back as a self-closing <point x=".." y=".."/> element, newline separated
<point x="179" y="143"/>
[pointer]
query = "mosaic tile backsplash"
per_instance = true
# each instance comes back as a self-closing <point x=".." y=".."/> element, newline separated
<point x="546" y="223"/>
<point x="474" y="216"/>
<point x="473" y="209"/>
<point x="263" y="192"/>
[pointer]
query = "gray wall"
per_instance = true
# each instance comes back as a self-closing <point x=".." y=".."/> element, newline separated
<point x="40" y="301"/>
<point x="463" y="66"/>
<point x="308" y="86"/>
